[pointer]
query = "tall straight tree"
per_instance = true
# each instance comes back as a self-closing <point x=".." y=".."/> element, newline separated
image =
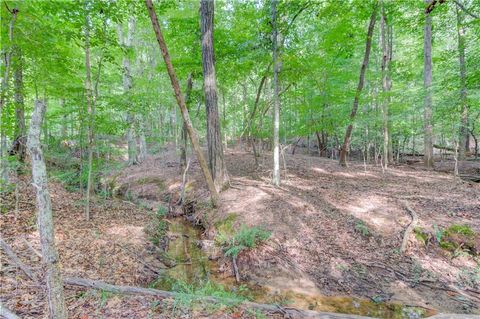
<point x="127" y="86"/>
<point x="90" y="115"/>
<point x="463" y="138"/>
<point x="361" y="81"/>
<point x="20" y="129"/>
<point x="183" y="144"/>
<point x="386" y="84"/>
<point x="181" y="102"/>
<point x="216" y="159"/>
<point x="427" y="84"/>
<point x="276" y="99"/>
<point x="56" y="300"/>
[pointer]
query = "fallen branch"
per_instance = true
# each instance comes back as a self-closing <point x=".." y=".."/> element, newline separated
<point x="235" y="269"/>
<point x="410" y="227"/>
<point x="6" y="248"/>
<point x="131" y="290"/>
<point x="6" y="313"/>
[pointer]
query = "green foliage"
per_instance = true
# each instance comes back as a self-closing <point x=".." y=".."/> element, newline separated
<point x="362" y="228"/>
<point x="421" y="235"/>
<point x="157" y="229"/>
<point x="245" y="238"/>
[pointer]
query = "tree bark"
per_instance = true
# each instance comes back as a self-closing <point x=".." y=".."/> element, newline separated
<point x="3" y="90"/>
<point x="463" y="138"/>
<point x="361" y="81"/>
<point x="276" y="99"/>
<point x="184" y="143"/>
<point x="386" y="58"/>
<point x="142" y="142"/>
<point x="181" y="103"/>
<point x="427" y="83"/>
<point x="56" y="301"/>
<point x="214" y="136"/>
<point x="20" y="129"/>
<point x="127" y="86"/>
<point x="90" y="115"/>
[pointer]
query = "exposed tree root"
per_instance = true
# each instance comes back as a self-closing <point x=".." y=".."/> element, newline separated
<point x="410" y="227"/>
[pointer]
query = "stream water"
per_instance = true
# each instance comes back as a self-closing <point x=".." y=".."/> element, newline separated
<point x="194" y="268"/>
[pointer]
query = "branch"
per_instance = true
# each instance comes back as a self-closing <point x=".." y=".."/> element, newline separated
<point x="131" y="290"/>
<point x="461" y="6"/>
<point x="6" y="248"/>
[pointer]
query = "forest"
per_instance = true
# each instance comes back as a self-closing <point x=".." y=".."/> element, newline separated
<point x="240" y="159"/>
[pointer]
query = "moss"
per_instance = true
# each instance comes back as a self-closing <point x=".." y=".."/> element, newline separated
<point x="460" y="237"/>
<point x="225" y="227"/>
<point x="421" y="235"/>
<point x="460" y="230"/>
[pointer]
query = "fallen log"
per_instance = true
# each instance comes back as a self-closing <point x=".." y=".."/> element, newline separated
<point x="131" y="290"/>
<point x="410" y="227"/>
<point x="472" y="178"/>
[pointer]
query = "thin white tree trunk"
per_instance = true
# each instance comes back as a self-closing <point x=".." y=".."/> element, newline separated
<point x="463" y="138"/>
<point x="276" y="99"/>
<point x="56" y="301"/>
<point x="142" y="143"/>
<point x="427" y="83"/>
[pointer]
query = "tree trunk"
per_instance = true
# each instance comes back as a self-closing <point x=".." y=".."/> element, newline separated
<point x="64" y="131"/>
<point x="90" y="119"/>
<point x="463" y="138"/>
<point x="56" y="301"/>
<point x="181" y="103"/>
<point x="20" y="129"/>
<point x="142" y="142"/>
<point x="276" y="99"/>
<point x="384" y="38"/>
<point x="427" y="83"/>
<point x="184" y="144"/>
<point x="3" y="91"/>
<point x="127" y="86"/>
<point x="214" y="136"/>
<point x="361" y="80"/>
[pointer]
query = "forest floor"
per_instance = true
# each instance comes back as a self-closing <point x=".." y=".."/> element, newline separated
<point x="335" y="231"/>
<point x="338" y="231"/>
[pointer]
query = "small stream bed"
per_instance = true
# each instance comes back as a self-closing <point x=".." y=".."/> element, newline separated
<point x="194" y="269"/>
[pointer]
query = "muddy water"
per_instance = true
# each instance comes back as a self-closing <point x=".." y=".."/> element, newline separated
<point x="194" y="267"/>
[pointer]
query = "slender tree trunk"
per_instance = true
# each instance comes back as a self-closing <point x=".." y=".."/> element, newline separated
<point x="427" y="83"/>
<point x="64" y="119"/>
<point x="142" y="142"/>
<point x="184" y="144"/>
<point x="127" y="86"/>
<point x="90" y="119"/>
<point x="181" y="103"/>
<point x="463" y="138"/>
<point x="20" y="129"/>
<point x="276" y="99"/>
<point x="214" y="136"/>
<point x="56" y="301"/>
<point x="384" y="38"/>
<point x="361" y="81"/>
<point x="3" y="91"/>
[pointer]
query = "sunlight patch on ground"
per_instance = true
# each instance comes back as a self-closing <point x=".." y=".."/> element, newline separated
<point x="132" y="234"/>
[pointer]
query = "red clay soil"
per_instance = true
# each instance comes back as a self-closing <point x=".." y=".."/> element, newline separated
<point x="338" y="231"/>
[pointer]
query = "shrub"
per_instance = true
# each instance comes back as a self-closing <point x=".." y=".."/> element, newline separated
<point x="245" y="238"/>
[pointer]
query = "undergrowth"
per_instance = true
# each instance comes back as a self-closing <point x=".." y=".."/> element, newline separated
<point x="245" y="238"/>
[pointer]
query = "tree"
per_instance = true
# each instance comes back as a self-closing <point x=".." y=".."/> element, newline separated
<point x="214" y="137"/>
<point x="463" y="133"/>
<point x="181" y="103"/>
<point x="427" y="84"/>
<point x="361" y="80"/>
<point x="276" y="99"/>
<point x="56" y="300"/>
<point x="90" y="111"/>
